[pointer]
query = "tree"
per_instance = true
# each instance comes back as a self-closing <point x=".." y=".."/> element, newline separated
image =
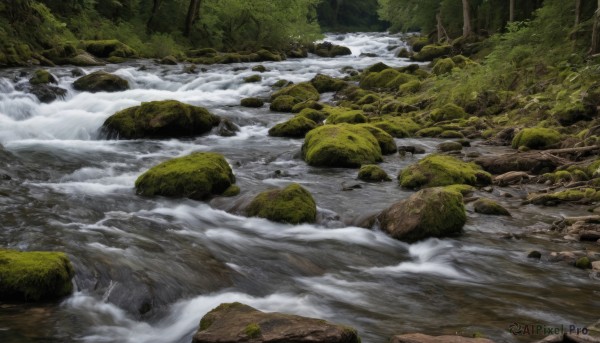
<point x="511" y="16"/>
<point x="155" y="7"/>
<point x="467" y="30"/>
<point x="193" y="14"/>
<point x="595" y="35"/>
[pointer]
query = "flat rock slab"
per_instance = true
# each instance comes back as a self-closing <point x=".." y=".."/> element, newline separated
<point x="421" y="338"/>
<point x="235" y="322"/>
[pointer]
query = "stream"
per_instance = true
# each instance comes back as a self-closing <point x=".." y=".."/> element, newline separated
<point x="147" y="269"/>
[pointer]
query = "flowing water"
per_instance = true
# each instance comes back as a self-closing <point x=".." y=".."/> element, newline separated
<point x="147" y="269"/>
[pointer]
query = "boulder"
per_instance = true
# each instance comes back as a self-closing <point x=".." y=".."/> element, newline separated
<point x="252" y="102"/>
<point x="283" y="103"/>
<point x="342" y="145"/>
<point x="310" y="104"/>
<point x="253" y="78"/>
<point x="169" y="60"/>
<point x="301" y="92"/>
<point x="442" y="170"/>
<point x="387" y="79"/>
<point x="34" y="276"/>
<point x="296" y="127"/>
<point x="447" y="112"/>
<point x="421" y="338"/>
<point x="196" y="176"/>
<point x="227" y="128"/>
<point x="386" y="141"/>
<point x="443" y="66"/>
<point x="108" y="48"/>
<point x="160" y="119"/>
<point x="84" y="59"/>
<point x="487" y="206"/>
<point x="235" y="322"/>
<point x="338" y="115"/>
<point x="530" y="162"/>
<point x="327" y="49"/>
<point x="372" y="173"/>
<point x="431" y="52"/>
<point x="449" y="146"/>
<point x="431" y="212"/>
<point x="293" y="205"/>
<point x="42" y="77"/>
<point x="259" y="68"/>
<point x="536" y="138"/>
<point x="312" y="114"/>
<point x="101" y="81"/>
<point x="324" y="83"/>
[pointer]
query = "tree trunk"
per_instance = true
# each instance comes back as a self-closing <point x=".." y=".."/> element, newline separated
<point x="511" y="16"/>
<point x="467" y="31"/>
<point x="441" y="31"/>
<point x="595" y="35"/>
<point x="155" y="7"/>
<point x="192" y="15"/>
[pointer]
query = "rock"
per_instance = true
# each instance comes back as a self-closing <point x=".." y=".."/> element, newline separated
<point x="283" y="103"/>
<point x="447" y="112"/>
<point x="227" y="128"/>
<point x="252" y="102"/>
<point x="536" y="138"/>
<point x="85" y="60"/>
<point x="531" y="162"/>
<point x="377" y="67"/>
<point x="388" y="79"/>
<point x="487" y="206"/>
<point x="101" y="81"/>
<point x="44" y="92"/>
<point x="510" y="178"/>
<point x="326" y="49"/>
<point x="235" y="322"/>
<point x="372" y="173"/>
<point x="282" y="83"/>
<point x="34" y="276"/>
<point x="449" y="146"/>
<point x="160" y="119"/>
<point x="253" y="79"/>
<point x="583" y="263"/>
<point x="385" y="140"/>
<point x="342" y="145"/>
<point x="42" y="77"/>
<point x="308" y="104"/>
<point x="585" y="195"/>
<point x="411" y="149"/>
<point x="596" y="265"/>
<point x="338" y="115"/>
<point x="324" y="83"/>
<point x="431" y="212"/>
<point x="108" y="48"/>
<point x="314" y="115"/>
<point x="190" y="69"/>
<point x="293" y="205"/>
<point x="259" y="68"/>
<point x="77" y="72"/>
<point x="169" y="60"/>
<point x="443" y="66"/>
<point x="534" y="254"/>
<point x="442" y="170"/>
<point x="296" y="127"/>
<point x="196" y="176"/>
<point x="421" y="338"/>
<point x="301" y="92"/>
<point x="431" y="52"/>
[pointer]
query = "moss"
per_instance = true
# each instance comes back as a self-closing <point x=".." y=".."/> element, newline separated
<point x="259" y="68"/>
<point x="253" y="79"/>
<point x="311" y="104"/>
<point x="443" y="66"/>
<point x="441" y="170"/>
<point x="536" y="138"/>
<point x="449" y="146"/>
<point x="586" y="195"/>
<point x="372" y="173"/>
<point x="431" y="52"/>
<point x="337" y="115"/>
<point x="430" y="132"/>
<point x="418" y="42"/>
<point x="108" y="48"/>
<point x="410" y="87"/>
<point x="583" y="263"/>
<point x="368" y="99"/>
<point x="232" y="191"/>
<point x="252" y="330"/>
<point x="266" y="55"/>
<point x="117" y="60"/>
<point x="252" y="102"/>
<point x="283" y="103"/>
<point x="462" y="61"/>
<point x="377" y="67"/>
<point x="462" y="189"/>
<point x="341" y="145"/>
<point x="387" y="79"/>
<point x="448" y="112"/>
<point x="293" y="205"/>
<point x="160" y="119"/>
<point x="451" y="134"/>
<point x="385" y="140"/>
<point x="281" y="83"/>
<point x="324" y="83"/>
<point x="301" y="92"/>
<point x="296" y="127"/>
<point x="42" y="77"/>
<point x="327" y="49"/>
<point x="399" y="127"/>
<point x="487" y="206"/>
<point x="314" y="115"/>
<point x="33" y="276"/>
<point x="101" y="81"/>
<point x="202" y="52"/>
<point x="196" y="176"/>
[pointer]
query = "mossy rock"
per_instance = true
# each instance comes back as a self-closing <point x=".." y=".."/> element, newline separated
<point x="487" y="206"/>
<point x="433" y="131"/>
<point x="368" y="99"/>
<point x="196" y="176"/>
<point x="293" y="205"/>
<point x="449" y="146"/>
<point x="202" y="52"/>
<point x="160" y="119"/>
<point x="296" y="127"/>
<point x="570" y="112"/>
<point x="342" y="145"/>
<point x="389" y="79"/>
<point x="324" y="83"/>
<point x="310" y="104"/>
<point x="301" y="92"/>
<point x="461" y="61"/>
<point x="442" y="170"/>
<point x="101" y="81"/>
<point x="34" y="276"/>
<point x="583" y="263"/>
<point x="448" y="112"/>
<point x="259" y="68"/>
<point x="372" y="173"/>
<point x="252" y="102"/>
<point x="536" y="138"/>
<point x="582" y="196"/>
<point x="283" y="103"/>
<point x="386" y="141"/>
<point x="326" y="49"/>
<point x="253" y="79"/>
<point x="312" y="114"/>
<point x="42" y="77"/>
<point x="377" y="67"/>
<point x="410" y="87"/>
<point x="399" y="127"/>
<point x="281" y="83"/>
<point x="338" y="115"/>
<point x="266" y="55"/>
<point x="417" y="43"/>
<point x="451" y="134"/>
<point x="432" y="212"/>
<point x="443" y="66"/>
<point x="108" y="48"/>
<point x="167" y="60"/>
<point x="431" y="52"/>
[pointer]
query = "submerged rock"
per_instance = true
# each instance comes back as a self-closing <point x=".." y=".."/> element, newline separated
<point x="33" y="276"/>
<point x="160" y="119"/>
<point x="101" y="81"/>
<point x="431" y="212"/>
<point x="293" y="205"/>
<point x="196" y="176"/>
<point x="421" y="338"/>
<point x="235" y="322"/>
<point x="227" y="128"/>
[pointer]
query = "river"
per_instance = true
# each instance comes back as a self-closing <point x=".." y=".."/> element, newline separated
<point x="147" y="269"/>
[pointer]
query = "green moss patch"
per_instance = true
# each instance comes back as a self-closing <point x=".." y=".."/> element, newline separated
<point x="441" y="170"/>
<point x="101" y="81"/>
<point x="301" y="92"/>
<point x="324" y="83"/>
<point x="372" y="173"/>
<point x="252" y="102"/>
<point x="386" y="141"/>
<point x="536" y="138"/>
<point x="296" y="127"/>
<point x="448" y="112"/>
<point x="390" y="79"/>
<point x="431" y="52"/>
<point x="293" y="205"/>
<point x="42" y="77"/>
<point x="337" y="115"/>
<point x="108" y="48"/>
<point x="399" y="127"/>
<point x="196" y="176"/>
<point x="283" y="103"/>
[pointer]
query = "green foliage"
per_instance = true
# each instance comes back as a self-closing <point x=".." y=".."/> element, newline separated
<point x="197" y="176"/>
<point x="441" y="170"/>
<point x="252" y="330"/>
<point x="293" y="205"/>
